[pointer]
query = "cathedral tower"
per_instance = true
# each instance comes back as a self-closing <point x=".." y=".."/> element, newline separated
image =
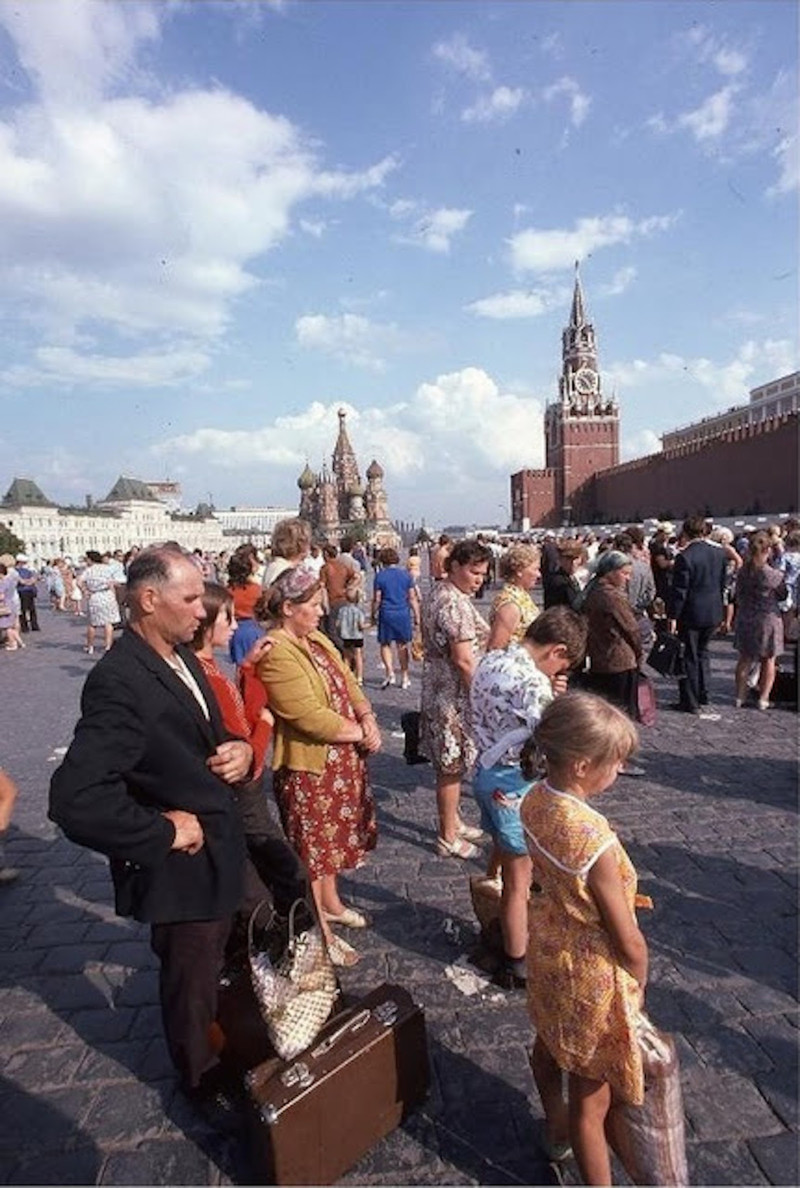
<point x="582" y="425"/>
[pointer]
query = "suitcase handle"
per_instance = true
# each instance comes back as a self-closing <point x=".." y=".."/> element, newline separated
<point x="355" y="1024"/>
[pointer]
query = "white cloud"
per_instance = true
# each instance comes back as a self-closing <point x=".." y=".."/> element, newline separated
<point x="622" y="279"/>
<point x="579" y="102"/>
<point x="727" y="383"/>
<point x="706" y="47"/>
<point x="730" y="61"/>
<point x="350" y="338"/>
<point x="461" y="428"/>
<point x="519" y="303"/>
<point x="534" y="250"/>
<point x="110" y="217"/>
<point x="65" y="367"/>
<point x="461" y="57"/>
<point x="501" y="104"/>
<point x="712" y="117"/>
<point x="639" y="445"/>
<point x="435" y="230"/>
<point x="313" y="227"/>
<point x="76" y="52"/>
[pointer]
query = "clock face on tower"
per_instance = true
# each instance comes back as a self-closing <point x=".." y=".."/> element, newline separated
<point x="586" y="381"/>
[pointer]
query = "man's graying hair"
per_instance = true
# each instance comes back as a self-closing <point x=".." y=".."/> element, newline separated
<point x="153" y="566"/>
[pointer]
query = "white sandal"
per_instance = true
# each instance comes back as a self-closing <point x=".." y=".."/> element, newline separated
<point x="342" y="954"/>
<point x="460" y="848"/>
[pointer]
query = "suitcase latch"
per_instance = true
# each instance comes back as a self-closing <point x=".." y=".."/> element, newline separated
<point x="297" y="1074"/>
<point x="386" y="1013"/>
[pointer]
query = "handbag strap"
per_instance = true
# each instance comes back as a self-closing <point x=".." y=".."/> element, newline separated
<point x="251" y="921"/>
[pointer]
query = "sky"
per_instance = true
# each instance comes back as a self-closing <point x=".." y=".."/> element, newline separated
<point x="220" y="222"/>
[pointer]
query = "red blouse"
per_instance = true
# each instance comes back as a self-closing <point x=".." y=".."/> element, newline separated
<point x="241" y="718"/>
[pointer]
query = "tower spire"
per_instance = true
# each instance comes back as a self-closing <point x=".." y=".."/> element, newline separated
<point x="577" y="315"/>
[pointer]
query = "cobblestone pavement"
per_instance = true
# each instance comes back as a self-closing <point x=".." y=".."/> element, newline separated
<point x="87" y="1089"/>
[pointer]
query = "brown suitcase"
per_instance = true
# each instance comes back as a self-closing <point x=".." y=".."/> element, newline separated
<point x="314" y="1117"/>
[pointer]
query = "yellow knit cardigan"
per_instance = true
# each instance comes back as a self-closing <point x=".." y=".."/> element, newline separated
<point x="305" y="723"/>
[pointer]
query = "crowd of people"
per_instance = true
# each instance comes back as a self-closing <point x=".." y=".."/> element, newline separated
<point x="535" y="702"/>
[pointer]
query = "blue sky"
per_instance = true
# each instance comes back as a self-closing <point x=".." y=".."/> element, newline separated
<point x="222" y="221"/>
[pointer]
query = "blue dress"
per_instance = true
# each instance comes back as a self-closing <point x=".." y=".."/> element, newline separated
<point x="394" y="612"/>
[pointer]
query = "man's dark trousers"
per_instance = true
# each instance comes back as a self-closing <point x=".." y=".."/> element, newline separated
<point x="191" y="956"/>
<point x="693" y="687"/>
<point x="27" y="609"/>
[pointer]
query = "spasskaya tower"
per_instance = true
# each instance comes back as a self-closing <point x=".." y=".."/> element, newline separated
<point x="582" y="425"/>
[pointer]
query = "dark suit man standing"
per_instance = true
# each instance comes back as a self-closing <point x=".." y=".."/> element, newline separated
<point x="146" y="782"/>
<point x="695" y="606"/>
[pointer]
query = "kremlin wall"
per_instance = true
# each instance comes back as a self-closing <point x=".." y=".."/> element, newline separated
<point x="744" y="460"/>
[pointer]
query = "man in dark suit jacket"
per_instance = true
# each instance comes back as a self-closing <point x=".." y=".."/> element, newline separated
<point x="695" y="607"/>
<point x="146" y="782"/>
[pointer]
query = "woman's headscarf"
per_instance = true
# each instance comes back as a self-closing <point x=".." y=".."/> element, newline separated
<point x="604" y="563"/>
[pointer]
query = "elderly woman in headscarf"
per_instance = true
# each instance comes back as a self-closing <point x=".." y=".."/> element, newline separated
<point x="324" y="726"/>
<point x="614" y="645"/>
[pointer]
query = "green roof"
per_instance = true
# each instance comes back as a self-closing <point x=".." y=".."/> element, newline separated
<point x="25" y="493"/>
<point x="125" y="489"/>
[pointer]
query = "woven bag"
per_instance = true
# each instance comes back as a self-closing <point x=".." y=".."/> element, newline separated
<point x="296" y="992"/>
<point x="649" y="1139"/>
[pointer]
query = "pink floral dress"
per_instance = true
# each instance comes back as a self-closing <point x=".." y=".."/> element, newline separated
<point x="329" y="819"/>
<point x="446" y="735"/>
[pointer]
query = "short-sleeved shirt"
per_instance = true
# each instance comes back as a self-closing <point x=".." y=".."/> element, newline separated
<point x="508" y="695"/>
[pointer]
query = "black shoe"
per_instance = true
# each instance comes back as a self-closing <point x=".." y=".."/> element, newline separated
<point x="512" y="974"/>
<point x="219" y="1100"/>
<point x="683" y="709"/>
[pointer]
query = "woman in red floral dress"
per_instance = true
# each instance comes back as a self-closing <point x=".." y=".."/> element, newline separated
<point x="324" y="726"/>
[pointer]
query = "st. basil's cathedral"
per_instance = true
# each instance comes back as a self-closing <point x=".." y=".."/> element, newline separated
<point x="336" y="503"/>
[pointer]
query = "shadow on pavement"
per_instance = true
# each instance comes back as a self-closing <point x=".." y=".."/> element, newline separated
<point x="40" y="1143"/>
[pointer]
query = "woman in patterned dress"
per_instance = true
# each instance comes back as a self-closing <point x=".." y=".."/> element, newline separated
<point x="453" y="635"/>
<point x="513" y="609"/>
<point x="587" y="958"/>
<point x="758" y="629"/>
<point x="98" y="582"/>
<point x="324" y="726"/>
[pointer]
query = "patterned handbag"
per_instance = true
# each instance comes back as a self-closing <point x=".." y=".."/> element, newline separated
<point x="296" y="991"/>
<point x="649" y="1139"/>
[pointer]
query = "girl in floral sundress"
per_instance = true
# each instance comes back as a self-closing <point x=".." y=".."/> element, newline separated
<point x="587" y="959"/>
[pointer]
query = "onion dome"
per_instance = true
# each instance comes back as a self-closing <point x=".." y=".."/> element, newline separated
<point x="307" y="479"/>
<point x="375" y="470"/>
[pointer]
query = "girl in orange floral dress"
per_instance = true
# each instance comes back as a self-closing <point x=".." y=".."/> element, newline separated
<point x="587" y="959"/>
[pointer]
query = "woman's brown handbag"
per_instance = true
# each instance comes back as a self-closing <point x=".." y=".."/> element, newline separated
<point x="296" y="990"/>
<point x="417" y="649"/>
<point x="649" y="1139"/>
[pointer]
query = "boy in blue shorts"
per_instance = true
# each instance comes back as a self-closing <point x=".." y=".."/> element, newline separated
<point x="509" y="692"/>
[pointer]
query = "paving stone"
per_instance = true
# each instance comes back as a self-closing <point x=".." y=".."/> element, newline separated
<point x="102" y="1025"/>
<point x="160" y="1161"/>
<point x="723" y="1163"/>
<point x="45" y="1068"/>
<point x="728" y="1107"/>
<point x="776" y="1155"/>
<point x="30" y="1029"/>
<point x="50" y="1121"/>
<point x="136" y="1112"/>
<point x="81" y="1166"/>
